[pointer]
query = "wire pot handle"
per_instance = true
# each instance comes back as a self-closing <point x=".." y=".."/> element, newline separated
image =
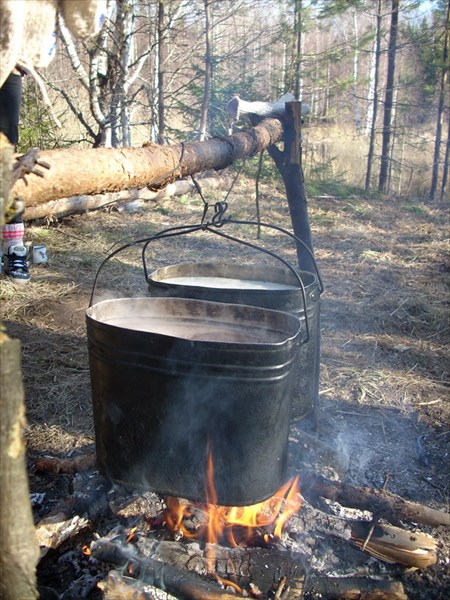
<point x="212" y="228"/>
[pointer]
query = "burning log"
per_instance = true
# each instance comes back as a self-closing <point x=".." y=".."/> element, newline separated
<point x="381" y="503"/>
<point x="184" y="584"/>
<point x="385" y="542"/>
<point x="392" y="544"/>
<point x="117" y="586"/>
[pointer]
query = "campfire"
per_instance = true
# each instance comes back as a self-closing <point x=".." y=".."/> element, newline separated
<point x="232" y="526"/>
<point x="267" y="550"/>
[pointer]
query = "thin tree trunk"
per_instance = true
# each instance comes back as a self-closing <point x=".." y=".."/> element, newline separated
<point x="440" y="110"/>
<point x="298" y="50"/>
<point x="445" y="166"/>
<point x="357" y="115"/>
<point x="375" y="98"/>
<point x="388" y="102"/>
<point x="208" y="71"/>
<point x="162" y="53"/>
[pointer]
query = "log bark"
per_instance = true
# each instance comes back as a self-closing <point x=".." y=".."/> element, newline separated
<point x="19" y="551"/>
<point x="383" y="504"/>
<point x="77" y="204"/>
<point x="97" y="170"/>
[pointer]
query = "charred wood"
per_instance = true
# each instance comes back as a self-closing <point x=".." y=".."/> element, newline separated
<point x="181" y="583"/>
<point x="354" y="588"/>
<point x="73" y="515"/>
<point x="381" y="503"/>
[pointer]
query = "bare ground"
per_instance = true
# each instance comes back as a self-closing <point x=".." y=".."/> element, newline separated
<point x="385" y="333"/>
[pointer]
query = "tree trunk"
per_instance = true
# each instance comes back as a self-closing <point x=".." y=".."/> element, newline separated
<point x="162" y="52"/>
<point x="96" y="170"/>
<point x="20" y="553"/>
<point x="208" y="71"/>
<point x="388" y="102"/>
<point x="445" y="167"/>
<point x="19" y="550"/>
<point x="298" y="50"/>
<point x="375" y="98"/>
<point x="440" y="111"/>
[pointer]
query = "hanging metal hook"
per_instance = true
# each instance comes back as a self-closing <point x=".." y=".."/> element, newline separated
<point x="220" y="209"/>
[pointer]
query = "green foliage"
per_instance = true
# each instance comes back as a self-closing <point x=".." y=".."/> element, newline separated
<point x="37" y="128"/>
<point x="427" y="39"/>
<point x="334" y="187"/>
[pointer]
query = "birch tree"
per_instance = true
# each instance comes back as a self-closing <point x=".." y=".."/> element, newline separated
<point x="443" y="91"/>
<point x="374" y="99"/>
<point x="106" y="71"/>
<point x="388" y="100"/>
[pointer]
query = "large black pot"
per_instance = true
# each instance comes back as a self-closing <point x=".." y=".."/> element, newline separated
<point x="265" y="286"/>
<point x="172" y="378"/>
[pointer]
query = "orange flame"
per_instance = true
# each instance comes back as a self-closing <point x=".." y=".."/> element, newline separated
<point x="131" y="535"/>
<point x="220" y="522"/>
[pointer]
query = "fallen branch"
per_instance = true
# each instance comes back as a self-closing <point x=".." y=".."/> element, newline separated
<point x="76" y="204"/>
<point x="381" y="503"/>
<point x="52" y="464"/>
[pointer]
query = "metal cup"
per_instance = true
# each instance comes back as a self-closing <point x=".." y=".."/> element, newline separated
<point x="40" y="256"/>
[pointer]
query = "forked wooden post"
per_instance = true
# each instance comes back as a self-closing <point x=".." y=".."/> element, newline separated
<point x="289" y="164"/>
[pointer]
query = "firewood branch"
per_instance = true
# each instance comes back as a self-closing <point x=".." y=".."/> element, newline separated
<point x="381" y="503"/>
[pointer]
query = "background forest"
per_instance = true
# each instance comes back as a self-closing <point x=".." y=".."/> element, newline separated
<point x="374" y="73"/>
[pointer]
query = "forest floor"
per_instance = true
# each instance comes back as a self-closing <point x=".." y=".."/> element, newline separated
<point x="384" y="396"/>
